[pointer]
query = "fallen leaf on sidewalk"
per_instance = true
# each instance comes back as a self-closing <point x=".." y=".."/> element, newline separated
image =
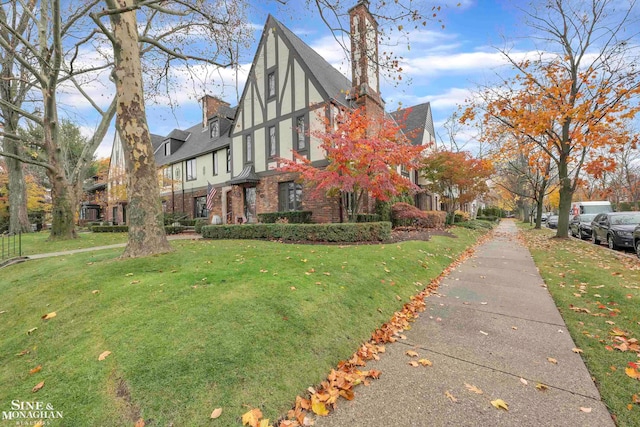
<point x="542" y="387"/>
<point x="484" y="333"/>
<point x="552" y="360"/>
<point x="576" y="350"/>
<point x="586" y="410"/>
<point x="473" y="388"/>
<point x="425" y="362"/>
<point x="500" y="404"/>
<point x="450" y="396"/>
<point x="414" y="364"/>
<point x="523" y="381"/>
<point x="411" y="353"/>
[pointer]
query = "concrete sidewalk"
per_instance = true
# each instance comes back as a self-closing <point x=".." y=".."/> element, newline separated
<point x="492" y="326"/>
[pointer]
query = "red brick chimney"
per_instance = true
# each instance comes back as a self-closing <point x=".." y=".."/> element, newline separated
<point x="365" y="70"/>
<point x="210" y="105"/>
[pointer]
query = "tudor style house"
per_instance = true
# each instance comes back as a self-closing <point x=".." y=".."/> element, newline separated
<point x="290" y="92"/>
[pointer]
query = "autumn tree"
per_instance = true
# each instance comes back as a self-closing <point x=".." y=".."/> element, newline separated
<point x="366" y="158"/>
<point x="575" y="95"/>
<point x="456" y="176"/>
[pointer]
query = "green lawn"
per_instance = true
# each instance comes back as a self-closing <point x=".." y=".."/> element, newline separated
<point x="230" y="324"/>
<point x="38" y="243"/>
<point x="596" y="290"/>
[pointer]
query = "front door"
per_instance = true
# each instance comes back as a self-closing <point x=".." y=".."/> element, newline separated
<point x="229" y="208"/>
<point x="250" y="204"/>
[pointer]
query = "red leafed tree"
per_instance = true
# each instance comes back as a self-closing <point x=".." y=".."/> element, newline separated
<point x="456" y="176"/>
<point x="366" y="155"/>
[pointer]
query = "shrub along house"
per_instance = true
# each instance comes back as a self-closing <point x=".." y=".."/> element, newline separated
<point x="291" y="91"/>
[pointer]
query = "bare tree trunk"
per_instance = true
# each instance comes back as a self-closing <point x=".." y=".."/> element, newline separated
<point x="146" y="227"/>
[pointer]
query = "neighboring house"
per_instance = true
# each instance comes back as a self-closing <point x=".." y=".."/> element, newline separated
<point x="94" y="201"/>
<point x="290" y="92"/>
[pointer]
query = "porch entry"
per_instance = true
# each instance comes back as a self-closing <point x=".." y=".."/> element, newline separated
<point x="250" y="204"/>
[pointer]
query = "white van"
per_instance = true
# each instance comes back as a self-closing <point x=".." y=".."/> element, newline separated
<point x="592" y="207"/>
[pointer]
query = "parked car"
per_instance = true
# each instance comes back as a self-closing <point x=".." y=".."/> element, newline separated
<point x="552" y="221"/>
<point x="545" y="216"/>
<point x="580" y="225"/>
<point x="615" y="228"/>
<point x="636" y="240"/>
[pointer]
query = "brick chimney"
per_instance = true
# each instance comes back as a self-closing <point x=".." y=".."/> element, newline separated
<point x="210" y="105"/>
<point x="365" y="70"/>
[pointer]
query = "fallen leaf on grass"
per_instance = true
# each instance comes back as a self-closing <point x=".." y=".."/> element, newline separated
<point x="542" y="387"/>
<point x="140" y="423"/>
<point x="411" y="353"/>
<point x="552" y="360"/>
<point x="128" y="275"/>
<point x="398" y="297"/>
<point x="35" y="370"/>
<point x="134" y="282"/>
<point x="264" y="271"/>
<point x="632" y="373"/>
<point x="500" y="404"/>
<point x="37" y="387"/>
<point x="104" y="355"/>
<point x="3" y="311"/>
<point x="577" y="350"/>
<point x="293" y="288"/>
<point x="22" y="353"/>
<point x="586" y="410"/>
<point x="252" y="418"/>
<point x="473" y="388"/>
<point x="32" y="330"/>
<point x="216" y="413"/>
<point x="49" y="315"/>
<point x="95" y="291"/>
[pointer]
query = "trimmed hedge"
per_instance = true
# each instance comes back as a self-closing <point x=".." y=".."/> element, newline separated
<point x="199" y="224"/>
<point x="110" y="228"/>
<point x="367" y="217"/>
<point x="293" y="217"/>
<point x="477" y="224"/>
<point x="343" y="232"/>
<point x="174" y="229"/>
<point x="490" y="218"/>
<point x="125" y="228"/>
<point x="405" y="215"/>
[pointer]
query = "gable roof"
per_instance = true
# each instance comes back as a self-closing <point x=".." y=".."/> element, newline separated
<point x="334" y="84"/>
<point x="417" y="120"/>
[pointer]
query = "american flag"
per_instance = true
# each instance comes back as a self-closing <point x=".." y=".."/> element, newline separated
<point x="211" y="193"/>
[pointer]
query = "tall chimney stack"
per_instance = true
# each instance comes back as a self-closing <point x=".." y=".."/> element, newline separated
<point x="365" y="70"/>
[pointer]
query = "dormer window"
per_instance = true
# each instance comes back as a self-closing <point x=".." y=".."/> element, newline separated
<point x="167" y="148"/>
<point x="214" y="129"/>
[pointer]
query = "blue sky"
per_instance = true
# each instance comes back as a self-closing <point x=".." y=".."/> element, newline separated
<point x="442" y="65"/>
